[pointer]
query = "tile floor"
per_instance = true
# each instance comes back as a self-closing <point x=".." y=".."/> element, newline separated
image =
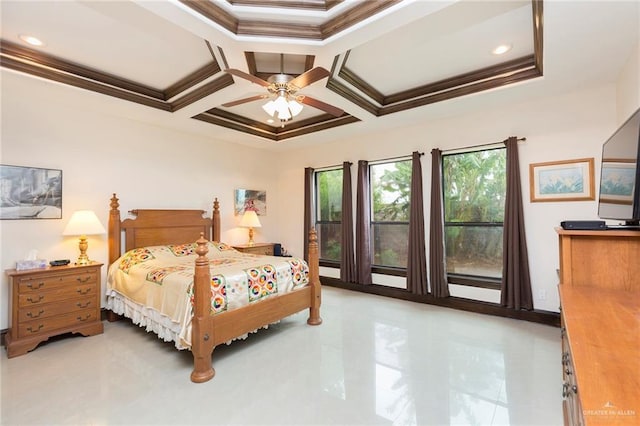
<point x="374" y="361"/>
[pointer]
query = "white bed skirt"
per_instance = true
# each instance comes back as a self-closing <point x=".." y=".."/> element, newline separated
<point x="155" y="322"/>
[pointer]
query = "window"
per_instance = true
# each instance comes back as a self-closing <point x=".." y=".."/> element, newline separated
<point x="329" y="214"/>
<point x="474" y="187"/>
<point x="390" y="198"/>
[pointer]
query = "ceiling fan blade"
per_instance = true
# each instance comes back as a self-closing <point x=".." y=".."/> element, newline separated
<point x="335" y="111"/>
<point x="246" y="76"/>
<point x="309" y="77"/>
<point x="245" y="100"/>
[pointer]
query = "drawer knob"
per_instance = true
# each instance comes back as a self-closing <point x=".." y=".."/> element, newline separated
<point x="84" y="291"/>
<point x="80" y="305"/>
<point x="30" y="299"/>
<point x="31" y="330"/>
<point x="33" y="286"/>
<point x="83" y="279"/>
<point x="32" y="315"/>
<point x="82" y="319"/>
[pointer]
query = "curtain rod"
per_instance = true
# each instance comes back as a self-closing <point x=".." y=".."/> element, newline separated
<point x="482" y="145"/>
<point x="395" y="158"/>
<point x="370" y="161"/>
<point x="337" y="166"/>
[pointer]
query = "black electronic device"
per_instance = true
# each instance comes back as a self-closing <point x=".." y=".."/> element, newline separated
<point x="584" y="225"/>
<point x="620" y="175"/>
<point x="59" y="262"/>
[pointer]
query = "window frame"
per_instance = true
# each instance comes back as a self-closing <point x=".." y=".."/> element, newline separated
<point x="376" y="268"/>
<point x="469" y="280"/>
<point x="317" y="221"/>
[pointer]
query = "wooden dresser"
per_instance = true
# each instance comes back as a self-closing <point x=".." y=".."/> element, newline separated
<point x="52" y="301"/>
<point x="257" y="248"/>
<point x="600" y="303"/>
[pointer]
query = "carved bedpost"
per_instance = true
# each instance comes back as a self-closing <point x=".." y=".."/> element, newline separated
<point x="201" y="329"/>
<point x="314" y="279"/>
<point x="115" y="233"/>
<point x="216" y="221"/>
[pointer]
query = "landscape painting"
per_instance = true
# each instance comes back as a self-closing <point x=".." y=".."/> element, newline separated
<point x="568" y="180"/>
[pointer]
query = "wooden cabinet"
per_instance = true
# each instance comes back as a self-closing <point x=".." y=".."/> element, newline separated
<point x="605" y="259"/>
<point x="257" y="248"/>
<point x="600" y="303"/>
<point x="52" y="301"/>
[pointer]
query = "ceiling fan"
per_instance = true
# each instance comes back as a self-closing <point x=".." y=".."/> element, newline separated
<point x="282" y="88"/>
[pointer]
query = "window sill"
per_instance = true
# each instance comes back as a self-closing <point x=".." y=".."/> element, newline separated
<point x="470" y="281"/>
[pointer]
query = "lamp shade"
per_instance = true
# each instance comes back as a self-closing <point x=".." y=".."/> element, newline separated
<point x="84" y="222"/>
<point x="250" y="219"/>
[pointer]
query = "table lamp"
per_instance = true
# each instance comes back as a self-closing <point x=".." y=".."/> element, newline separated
<point x="83" y="223"/>
<point x="250" y="220"/>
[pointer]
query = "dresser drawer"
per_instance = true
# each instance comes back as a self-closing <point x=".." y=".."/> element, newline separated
<point x="50" y="281"/>
<point x="263" y="249"/>
<point x="47" y="325"/>
<point x="47" y="310"/>
<point x="57" y="294"/>
<point x="268" y="251"/>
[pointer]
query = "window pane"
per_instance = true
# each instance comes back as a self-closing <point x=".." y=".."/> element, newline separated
<point x="390" y="244"/>
<point x="329" y="195"/>
<point x="474" y="250"/>
<point x="391" y="191"/>
<point x="329" y="237"/>
<point x="474" y="186"/>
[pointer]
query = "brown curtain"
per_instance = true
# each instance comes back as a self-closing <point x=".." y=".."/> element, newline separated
<point x="437" y="266"/>
<point x="308" y="208"/>
<point x="417" y="261"/>
<point x="363" y="225"/>
<point x="516" y="282"/>
<point x="347" y="264"/>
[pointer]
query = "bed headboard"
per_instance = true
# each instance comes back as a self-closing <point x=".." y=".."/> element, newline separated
<point x="159" y="227"/>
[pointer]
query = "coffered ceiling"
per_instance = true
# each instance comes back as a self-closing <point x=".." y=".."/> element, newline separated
<point x="383" y="58"/>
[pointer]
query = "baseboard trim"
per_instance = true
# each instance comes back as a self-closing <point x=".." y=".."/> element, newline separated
<point x="538" y="316"/>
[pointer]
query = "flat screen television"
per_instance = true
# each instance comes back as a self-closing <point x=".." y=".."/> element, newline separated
<point x="619" y="197"/>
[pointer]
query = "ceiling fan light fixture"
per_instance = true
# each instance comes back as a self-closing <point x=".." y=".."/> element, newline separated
<point x="295" y="107"/>
<point x="270" y="108"/>
<point x="284" y="115"/>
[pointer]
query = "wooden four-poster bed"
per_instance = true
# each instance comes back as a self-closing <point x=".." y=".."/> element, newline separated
<point x="153" y="233"/>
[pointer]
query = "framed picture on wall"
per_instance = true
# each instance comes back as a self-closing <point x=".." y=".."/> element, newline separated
<point x="568" y="180"/>
<point x="250" y="199"/>
<point x="30" y="193"/>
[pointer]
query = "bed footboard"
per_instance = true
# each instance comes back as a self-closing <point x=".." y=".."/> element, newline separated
<point x="208" y="331"/>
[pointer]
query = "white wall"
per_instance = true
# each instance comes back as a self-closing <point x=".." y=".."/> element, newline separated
<point x="564" y="127"/>
<point x="51" y="126"/>
<point x="628" y="87"/>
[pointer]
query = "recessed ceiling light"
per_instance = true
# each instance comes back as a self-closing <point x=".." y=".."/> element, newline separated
<point x="270" y="120"/>
<point x="503" y="48"/>
<point x="34" y="41"/>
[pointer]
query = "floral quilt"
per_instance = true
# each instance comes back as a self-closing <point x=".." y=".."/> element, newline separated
<point x="154" y="285"/>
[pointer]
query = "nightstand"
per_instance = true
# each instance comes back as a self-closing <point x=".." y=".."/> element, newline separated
<point x="52" y="301"/>
<point x="257" y="248"/>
